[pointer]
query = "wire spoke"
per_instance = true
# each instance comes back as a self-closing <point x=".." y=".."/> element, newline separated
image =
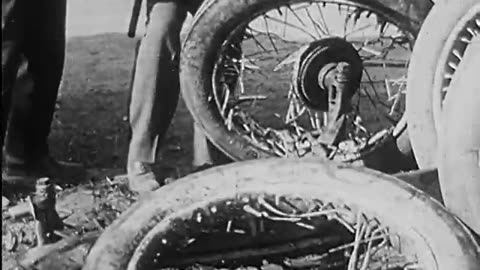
<point x="272" y="60"/>
<point x="359" y="242"/>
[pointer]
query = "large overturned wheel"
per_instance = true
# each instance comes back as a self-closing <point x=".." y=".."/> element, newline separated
<point x="293" y="78"/>
<point x="286" y="214"/>
<point x="445" y="36"/>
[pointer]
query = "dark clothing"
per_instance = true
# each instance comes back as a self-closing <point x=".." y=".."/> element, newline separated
<point x="33" y="31"/>
<point x="190" y="6"/>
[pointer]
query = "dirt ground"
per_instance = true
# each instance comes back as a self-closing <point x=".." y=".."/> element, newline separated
<point x="91" y="112"/>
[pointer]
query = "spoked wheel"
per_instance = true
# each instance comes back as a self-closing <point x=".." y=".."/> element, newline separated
<point x="292" y="214"/>
<point x="445" y="36"/>
<point x="292" y="78"/>
<point x="459" y="163"/>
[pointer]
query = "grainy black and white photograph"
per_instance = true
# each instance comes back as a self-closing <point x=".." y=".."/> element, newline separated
<point x="240" y="135"/>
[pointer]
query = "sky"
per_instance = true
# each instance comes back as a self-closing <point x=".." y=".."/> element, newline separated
<point x="91" y="17"/>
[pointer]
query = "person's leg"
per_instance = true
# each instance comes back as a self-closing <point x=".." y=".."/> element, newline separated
<point x="45" y="51"/>
<point x="35" y="95"/>
<point x="12" y="36"/>
<point x="13" y="33"/>
<point x="155" y="91"/>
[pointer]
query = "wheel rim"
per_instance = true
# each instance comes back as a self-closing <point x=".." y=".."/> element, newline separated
<point x="315" y="234"/>
<point x="275" y="132"/>
<point x="456" y="44"/>
<point x="459" y="166"/>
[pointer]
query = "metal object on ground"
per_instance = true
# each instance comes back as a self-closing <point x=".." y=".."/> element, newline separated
<point x="46" y="217"/>
<point x="338" y="87"/>
<point x="326" y="75"/>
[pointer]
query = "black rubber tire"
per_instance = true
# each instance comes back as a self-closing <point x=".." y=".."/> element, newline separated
<point x="446" y="241"/>
<point x="459" y="169"/>
<point x="211" y="26"/>
<point x="432" y="42"/>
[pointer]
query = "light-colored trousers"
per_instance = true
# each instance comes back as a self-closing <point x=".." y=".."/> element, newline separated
<point x="155" y="87"/>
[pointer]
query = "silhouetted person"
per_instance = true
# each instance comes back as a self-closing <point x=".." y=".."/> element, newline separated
<point x="33" y="37"/>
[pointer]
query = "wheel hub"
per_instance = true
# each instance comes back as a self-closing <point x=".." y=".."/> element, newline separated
<point x="316" y="70"/>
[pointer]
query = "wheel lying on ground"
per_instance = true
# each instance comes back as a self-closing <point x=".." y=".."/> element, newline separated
<point x="441" y="43"/>
<point x="459" y="168"/>
<point x="289" y="213"/>
<point x="249" y="113"/>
